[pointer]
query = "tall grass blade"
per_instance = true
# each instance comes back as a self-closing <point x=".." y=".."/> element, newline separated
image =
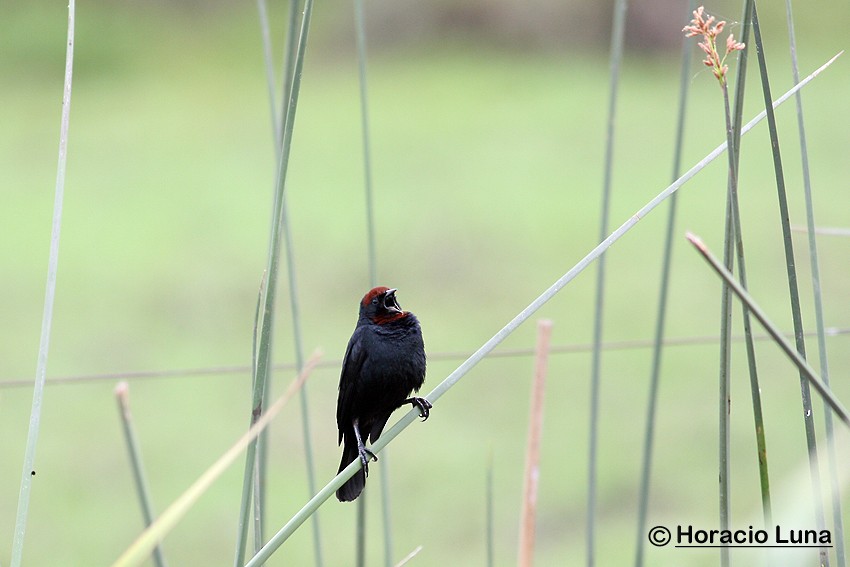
<point x="320" y="497"/>
<point x="755" y="389"/>
<point x="360" y="30"/>
<point x="804" y="367"/>
<point x="299" y="363"/>
<point x="796" y="313"/>
<point x="289" y="74"/>
<point x="649" y="433"/>
<point x="278" y="219"/>
<point x="156" y="532"/>
<point x="835" y="485"/>
<point x="383" y="464"/>
<point x="47" y="316"/>
<point x="289" y="60"/>
<point x="616" y="56"/>
<point x="268" y="60"/>
<point x="360" y="535"/>
<point x="527" y="526"/>
<point x="731" y="230"/>
<point x="489" y="512"/>
<point x="278" y="126"/>
<point x="259" y="465"/>
<point x="122" y="395"/>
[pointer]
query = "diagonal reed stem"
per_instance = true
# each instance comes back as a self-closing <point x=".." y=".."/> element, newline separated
<point x="141" y="548"/>
<point x="616" y="56"/>
<point x="314" y="503"/>
<point x="122" y="395"/>
<point x="810" y="374"/>
<point x="796" y="313"/>
<point x="28" y="471"/>
<point x="835" y="485"/>
<point x="649" y="433"/>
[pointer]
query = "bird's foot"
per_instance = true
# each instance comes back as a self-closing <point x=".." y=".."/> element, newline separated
<point x="423" y="405"/>
<point x="366" y="455"/>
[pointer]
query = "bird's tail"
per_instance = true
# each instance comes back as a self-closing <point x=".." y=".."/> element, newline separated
<point x="353" y="486"/>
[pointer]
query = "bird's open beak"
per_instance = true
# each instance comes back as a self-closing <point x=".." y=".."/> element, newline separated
<point x="390" y="301"/>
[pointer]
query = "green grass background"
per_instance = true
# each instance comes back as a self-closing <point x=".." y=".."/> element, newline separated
<point x="487" y="168"/>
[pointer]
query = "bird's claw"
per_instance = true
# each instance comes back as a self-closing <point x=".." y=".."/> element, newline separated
<point x="366" y="455"/>
<point x="423" y="405"/>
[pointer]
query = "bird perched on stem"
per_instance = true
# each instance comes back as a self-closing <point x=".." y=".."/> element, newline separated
<point x="383" y="364"/>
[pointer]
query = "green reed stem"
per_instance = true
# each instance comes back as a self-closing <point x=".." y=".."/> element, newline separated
<point x="649" y="434"/>
<point x="835" y="485"/>
<point x="122" y="395"/>
<point x="28" y="472"/>
<point x="616" y="56"/>
<point x="796" y="313"/>
<point x="264" y="350"/>
<point x="489" y="512"/>
<point x="142" y="547"/>
<point x="383" y="465"/>
<point x="810" y="374"/>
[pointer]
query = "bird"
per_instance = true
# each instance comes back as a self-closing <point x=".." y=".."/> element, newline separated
<point x="383" y="364"/>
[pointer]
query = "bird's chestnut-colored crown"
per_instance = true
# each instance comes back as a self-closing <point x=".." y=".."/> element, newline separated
<point x="373" y="293"/>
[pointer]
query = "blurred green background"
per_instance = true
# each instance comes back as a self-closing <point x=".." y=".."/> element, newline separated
<point x="487" y="126"/>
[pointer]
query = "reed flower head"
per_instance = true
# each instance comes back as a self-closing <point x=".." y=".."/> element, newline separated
<point x="708" y="29"/>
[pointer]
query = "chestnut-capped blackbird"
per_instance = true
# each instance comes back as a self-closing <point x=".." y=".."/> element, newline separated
<point x="384" y="361"/>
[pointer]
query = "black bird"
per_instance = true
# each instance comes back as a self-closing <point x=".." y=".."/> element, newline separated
<point x="384" y="362"/>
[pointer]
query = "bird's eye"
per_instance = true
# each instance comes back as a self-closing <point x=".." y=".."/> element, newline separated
<point x="374" y="301"/>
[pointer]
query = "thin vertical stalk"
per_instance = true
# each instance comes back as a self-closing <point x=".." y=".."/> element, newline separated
<point x="383" y="465"/>
<point x="489" y="513"/>
<point x="28" y="471"/>
<point x="278" y="127"/>
<point x="289" y="55"/>
<point x="731" y="230"/>
<point x="299" y="365"/>
<point x="835" y="485"/>
<point x="293" y="58"/>
<point x="268" y="60"/>
<point x="259" y="484"/>
<point x="796" y="315"/>
<point x="755" y="390"/>
<point x="724" y="393"/>
<point x="264" y="350"/>
<point x="360" y="29"/>
<point x="617" y="35"/>
<point x="360" y="535"/>
<point x="527" y="525"/>
<point x="259" y="478"/>
<point x="649" y="434"/>
<point x="122" y="395"/>
<point x="277" y="123"/>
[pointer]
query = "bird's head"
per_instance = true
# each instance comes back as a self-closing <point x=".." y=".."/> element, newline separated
<point x="381" y="306"/>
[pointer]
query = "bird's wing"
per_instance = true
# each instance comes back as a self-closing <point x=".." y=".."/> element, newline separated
<point x="352" y="363"/>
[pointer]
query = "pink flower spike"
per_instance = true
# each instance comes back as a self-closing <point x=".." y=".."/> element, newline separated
<point x="732" y="45"/>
